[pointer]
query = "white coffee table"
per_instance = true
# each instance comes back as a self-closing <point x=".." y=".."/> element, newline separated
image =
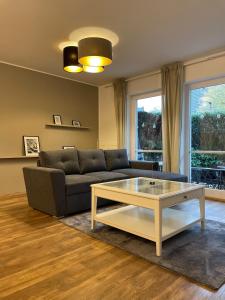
<point x="149" y="213"/>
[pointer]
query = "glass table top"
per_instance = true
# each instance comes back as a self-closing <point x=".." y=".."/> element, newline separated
<point x="150" y="186"/>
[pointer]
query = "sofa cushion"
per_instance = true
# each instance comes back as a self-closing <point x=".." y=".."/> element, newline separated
<point x="104" y="176"/>
<point x="66" y="160"/>
<point x="77" y="184"/>
<point x="152" y="174"/>
<point x="91" y="160"/>
<point x="116" y="159"/>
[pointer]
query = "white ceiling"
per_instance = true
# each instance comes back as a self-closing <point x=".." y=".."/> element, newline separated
<point x="151" y="32"/>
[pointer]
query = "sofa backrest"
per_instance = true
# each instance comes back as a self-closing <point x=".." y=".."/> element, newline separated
<point x="91" y="160"/>
<point x="116" y="159"/>
<point x="65" y="159"/>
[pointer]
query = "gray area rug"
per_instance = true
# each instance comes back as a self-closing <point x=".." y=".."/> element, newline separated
<point x="198" y="255"/>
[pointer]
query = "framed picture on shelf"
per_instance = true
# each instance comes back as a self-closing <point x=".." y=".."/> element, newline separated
<point x="68" y="147"/>
<point x="57" y="119"/>
<point x="76" y="123"/>
<point x="31" y="145"/>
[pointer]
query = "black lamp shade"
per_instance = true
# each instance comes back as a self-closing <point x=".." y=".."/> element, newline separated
<point x="95" y="52"/>
<point x="70" y="59"/>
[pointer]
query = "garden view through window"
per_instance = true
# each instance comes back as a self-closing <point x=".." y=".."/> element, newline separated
<point x="208" y="136"/>
<point x="149" y="129"/>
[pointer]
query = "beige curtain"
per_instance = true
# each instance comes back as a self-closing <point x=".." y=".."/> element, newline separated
<point x="172" y="91"/>
<point x="120" y="96"/>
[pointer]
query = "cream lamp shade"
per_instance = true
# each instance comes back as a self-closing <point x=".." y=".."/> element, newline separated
<point x="89" y="69"/>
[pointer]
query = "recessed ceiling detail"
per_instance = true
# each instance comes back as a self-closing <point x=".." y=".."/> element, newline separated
<point x="85" y="32"/>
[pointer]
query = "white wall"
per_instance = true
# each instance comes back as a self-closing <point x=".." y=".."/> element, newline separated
<point x="194" y="72"/>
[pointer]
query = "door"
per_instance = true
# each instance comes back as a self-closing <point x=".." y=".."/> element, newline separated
<point x="207" y="136"/>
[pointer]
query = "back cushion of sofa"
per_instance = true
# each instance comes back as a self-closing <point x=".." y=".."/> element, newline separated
<point x="116" y="159"/>
<point x="66" y="160"/>
<point x="91" y="160"/>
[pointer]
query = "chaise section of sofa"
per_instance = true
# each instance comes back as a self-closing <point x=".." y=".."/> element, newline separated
<point x="60" y="185"/>
<point x="117" y="161"/>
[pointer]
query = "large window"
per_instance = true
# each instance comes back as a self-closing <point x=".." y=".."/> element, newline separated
<point x="208" y="136"/>
<point x="147" y="113"/>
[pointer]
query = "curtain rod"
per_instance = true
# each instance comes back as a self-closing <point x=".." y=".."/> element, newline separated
<point x="186" y="64"/>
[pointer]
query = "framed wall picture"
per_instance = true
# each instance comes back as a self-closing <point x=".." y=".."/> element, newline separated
<point x="31" y="145"/>
<point x="68" y="147"/>
<point x="57" y="119"/>
<point x="76" y="123"/>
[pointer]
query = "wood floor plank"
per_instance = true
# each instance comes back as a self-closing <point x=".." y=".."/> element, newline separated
<point x="40" y="258"/>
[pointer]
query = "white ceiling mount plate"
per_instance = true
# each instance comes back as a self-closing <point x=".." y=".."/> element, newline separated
<point x="66" y="44"/>
<point x="84" y="32"/>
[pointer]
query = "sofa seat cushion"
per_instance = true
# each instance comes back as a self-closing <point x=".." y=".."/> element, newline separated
<point x="91" y="160"/>
<point x="116" y="159"/>
<point x="66" y="160"/>
<point x="77" y="184"/>
<point x="104" y="176"/>
<point x="152" y="174"/>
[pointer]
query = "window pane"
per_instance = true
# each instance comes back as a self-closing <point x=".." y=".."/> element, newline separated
<point x="149" y="128"/>
<point x="208" y="136"/>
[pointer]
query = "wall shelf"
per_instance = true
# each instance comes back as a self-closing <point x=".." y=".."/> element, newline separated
<point x="18" y="157"/>
<point x="65" y="126"/>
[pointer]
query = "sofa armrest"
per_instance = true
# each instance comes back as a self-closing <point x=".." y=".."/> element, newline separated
<point x="145" y="165"/>
<point x="46" y="189"/>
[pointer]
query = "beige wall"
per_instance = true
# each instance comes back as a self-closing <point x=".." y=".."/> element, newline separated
<point x="28" y="100"/>
<point x="107" y="119"/>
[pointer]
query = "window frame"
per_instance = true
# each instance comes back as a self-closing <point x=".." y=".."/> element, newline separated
<point x="211" y="193"/>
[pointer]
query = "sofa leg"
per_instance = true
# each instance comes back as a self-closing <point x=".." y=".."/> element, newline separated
<point x="60" y="217"/>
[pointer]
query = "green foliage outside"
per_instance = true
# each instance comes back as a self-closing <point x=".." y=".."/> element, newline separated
<point x="208" y="133"/>
<point x="205" y="160"/>
<point x="149" y="131"/>
<point x="208" y="127"/>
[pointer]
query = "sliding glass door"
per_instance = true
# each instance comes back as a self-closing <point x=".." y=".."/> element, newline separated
<point x="207" y="135"/>
<point x="146" y="128"/>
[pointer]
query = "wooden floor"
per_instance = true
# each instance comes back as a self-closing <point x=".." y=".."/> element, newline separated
<point x="40" y="258"/>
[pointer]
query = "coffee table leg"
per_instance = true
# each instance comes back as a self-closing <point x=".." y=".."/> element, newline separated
<point x="158" y="229"/>
<point x="93" y="209"/>
<point x="202" y="210"/>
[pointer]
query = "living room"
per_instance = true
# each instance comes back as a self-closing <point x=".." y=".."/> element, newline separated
<point x="112" y="164"/>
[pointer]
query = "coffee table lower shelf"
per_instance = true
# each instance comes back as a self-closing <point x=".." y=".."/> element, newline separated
<point x="140" y="221"/>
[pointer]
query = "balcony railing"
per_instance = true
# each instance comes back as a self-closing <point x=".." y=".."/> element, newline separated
<point x="212" y="176"/>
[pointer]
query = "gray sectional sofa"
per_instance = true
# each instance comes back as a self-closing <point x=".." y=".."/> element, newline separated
<point x="60" y="184"/>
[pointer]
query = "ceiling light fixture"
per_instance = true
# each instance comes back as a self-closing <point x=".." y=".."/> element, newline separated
<point x="95" y="52"/>
<point x="70" y="60"/>
<point x="89" y="69"/>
